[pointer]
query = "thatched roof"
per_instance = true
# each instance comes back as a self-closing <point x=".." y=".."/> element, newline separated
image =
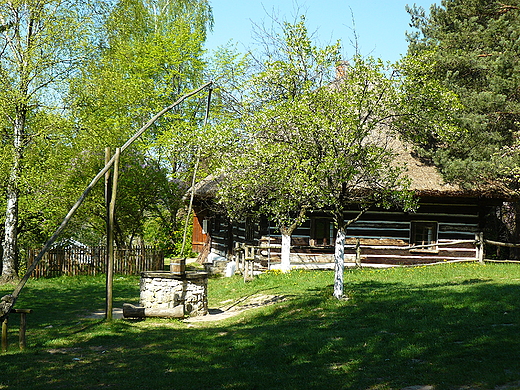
<point x="207" y="187"/>
<point x="426" y="180"/>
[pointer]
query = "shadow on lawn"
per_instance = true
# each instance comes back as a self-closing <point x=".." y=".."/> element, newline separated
<point x="387" y="336"/>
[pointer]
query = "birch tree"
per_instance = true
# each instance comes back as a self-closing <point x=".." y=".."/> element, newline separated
<point x="41" y="44"/>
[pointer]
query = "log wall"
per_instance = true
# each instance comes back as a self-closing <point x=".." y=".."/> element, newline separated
<point x="385" y="235"/>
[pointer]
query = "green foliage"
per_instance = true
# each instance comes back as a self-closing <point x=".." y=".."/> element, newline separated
<point x="117" y="63"/>
<point x="473" y="49"/>
<point x="292" y="65"/>
<point x="148" y="62"/>
<point x="428" y="110"/>
<point x="170" y="241"/>
<point x="267" y="176"/>
<point x="322" y="148"/>
<point x="150" y="55"/>
<point x="43" y="43"/>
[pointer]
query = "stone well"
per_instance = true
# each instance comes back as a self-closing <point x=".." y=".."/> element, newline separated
<point x="165" y="290"/>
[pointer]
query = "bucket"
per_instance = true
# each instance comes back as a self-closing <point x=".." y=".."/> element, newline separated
<point x="178" y="266"/>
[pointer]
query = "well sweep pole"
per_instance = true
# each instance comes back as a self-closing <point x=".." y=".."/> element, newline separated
<point x="8" y="304"/>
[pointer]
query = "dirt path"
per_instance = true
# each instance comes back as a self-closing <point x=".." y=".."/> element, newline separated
<point x="231" y="308"/>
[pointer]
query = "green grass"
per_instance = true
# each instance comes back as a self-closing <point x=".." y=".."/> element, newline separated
<point x="449" y="326"/>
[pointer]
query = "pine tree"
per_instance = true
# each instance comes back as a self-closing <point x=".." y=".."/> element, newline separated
<point x="474" y="49"/>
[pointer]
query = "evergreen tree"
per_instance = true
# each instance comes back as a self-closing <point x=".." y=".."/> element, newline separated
<point x="473" y="48"/>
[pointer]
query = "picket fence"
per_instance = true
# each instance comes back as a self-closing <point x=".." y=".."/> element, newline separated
<point x="92" y="261"/>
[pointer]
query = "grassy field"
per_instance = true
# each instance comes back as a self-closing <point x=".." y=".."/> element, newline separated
<point x="448" y="326"/>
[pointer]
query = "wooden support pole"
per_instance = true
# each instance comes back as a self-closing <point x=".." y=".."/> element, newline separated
<point x="23" y="326"/>
<point x="194" y="178"/>
<point x="110" y="235"/>
<point x="108" y="197"/>
<point x="21" y="335"/>
<point x="4" y="335"/>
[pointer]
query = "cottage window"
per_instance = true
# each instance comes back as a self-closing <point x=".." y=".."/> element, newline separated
<point x="424" y="233"/>
<point x="322" y="232"/>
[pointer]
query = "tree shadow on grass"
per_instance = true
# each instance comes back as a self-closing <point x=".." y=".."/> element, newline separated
<point x="387" y="336"/>
<point x="61" y="305"/>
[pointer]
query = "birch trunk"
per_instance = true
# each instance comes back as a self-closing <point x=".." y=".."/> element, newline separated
<point x="339" y="263"/>
<point x="21" y="45"/>
<point x="10" y="246"/>
<point x="286" y="252"/>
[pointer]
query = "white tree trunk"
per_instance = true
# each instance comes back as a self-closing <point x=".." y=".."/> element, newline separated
<point x="286" y="252"/>
<point x="339" y="263"/>
<point x="10" y="237"/>
<point x="10" y="246"/>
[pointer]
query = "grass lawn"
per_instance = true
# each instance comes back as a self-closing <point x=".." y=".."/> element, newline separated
<point x="447" y="326"/>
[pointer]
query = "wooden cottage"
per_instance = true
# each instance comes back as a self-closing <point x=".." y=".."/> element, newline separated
<point x="445" y="226"/>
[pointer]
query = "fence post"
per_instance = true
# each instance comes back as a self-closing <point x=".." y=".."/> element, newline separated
<point x="479" y="238"/>
<point x="4" y="334"/>
<point x="358" y="252"/>
<point x="23" y="327"/>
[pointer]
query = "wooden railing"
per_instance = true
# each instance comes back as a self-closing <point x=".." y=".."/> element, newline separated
<point x="245" y="255"/>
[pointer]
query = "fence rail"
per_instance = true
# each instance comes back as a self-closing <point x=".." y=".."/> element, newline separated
<point x="93" y="260"/>
<point x="503" y="244"/>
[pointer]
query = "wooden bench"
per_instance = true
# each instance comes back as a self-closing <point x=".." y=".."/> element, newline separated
<point x="23" y="327"/>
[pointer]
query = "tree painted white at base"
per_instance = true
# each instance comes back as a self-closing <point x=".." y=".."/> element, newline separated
<point x="286" y="253"/>
<point x="339" y="263"/>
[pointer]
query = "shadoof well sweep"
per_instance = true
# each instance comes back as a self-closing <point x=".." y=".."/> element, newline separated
<point x="178" y="297"/>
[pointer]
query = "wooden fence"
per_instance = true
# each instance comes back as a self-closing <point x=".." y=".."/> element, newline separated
<point x="502" y="245"/>
<point x="92" y="261"/>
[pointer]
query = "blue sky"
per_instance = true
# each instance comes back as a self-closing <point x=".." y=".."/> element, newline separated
<point x="380" y="25"/>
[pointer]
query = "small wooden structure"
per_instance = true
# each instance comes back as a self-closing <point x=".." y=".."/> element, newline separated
<point x="23" y="328"/>
<point x="245" y="260"/>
